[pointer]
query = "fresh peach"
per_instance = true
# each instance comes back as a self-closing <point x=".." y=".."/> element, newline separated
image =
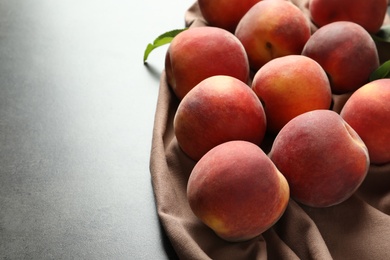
<point x="217" y="110"/>
<point x="370" y="14"/>
<point x="323" y="159"/>
<point x="201" y="52"/>
<point x="347" y="53"/>
<point x="225" y="13"/>
<point x="289" y="86"/>
<point x="368" y="112"/>
<point x="271" y="29"/>
<point x="237" y="191"/>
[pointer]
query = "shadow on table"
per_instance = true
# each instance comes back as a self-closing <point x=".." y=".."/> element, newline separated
<point x="153" y="71"/>
<point x="170" y="251"/>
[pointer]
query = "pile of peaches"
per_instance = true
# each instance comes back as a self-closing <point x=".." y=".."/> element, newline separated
<point x="257" y="114"/>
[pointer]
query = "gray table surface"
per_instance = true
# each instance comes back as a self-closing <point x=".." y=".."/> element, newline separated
<point x="76" y="115"/>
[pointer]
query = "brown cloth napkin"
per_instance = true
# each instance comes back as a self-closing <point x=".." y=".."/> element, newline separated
<point x="358" y="228"/>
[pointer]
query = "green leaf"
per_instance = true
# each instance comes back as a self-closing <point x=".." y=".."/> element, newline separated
<point x="382" y="72"/>
<point x="383" y="35"/>
<point x="163" y="39"/>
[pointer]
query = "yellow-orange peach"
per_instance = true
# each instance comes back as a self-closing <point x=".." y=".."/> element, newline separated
<point x="271" y="29"/>
<point x="347" y="53"/>
<point x="323" y="159"/>
<point x="370" y="14"/>
<point x="217" y="110"/>
<point x="225" y="13"/>
<point x="237" y="191"/>
<point x="368" y="112"/>
<point x="289" y="86"/>
<point x="202" y="52"/>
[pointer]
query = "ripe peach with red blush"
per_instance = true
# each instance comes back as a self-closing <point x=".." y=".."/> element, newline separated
<point x="237" y="191"/>
<point x="289" y="86"/>
<point x="368" y="112"/>
<point x="370" y="14"/>
<point x="217" y="110"/>
<point x="201" y="52"/>
<point x="272" y="29"/>
<point x="225" y="14"/>
<point x="323" y="158"/>
<point x="347" y="53"/>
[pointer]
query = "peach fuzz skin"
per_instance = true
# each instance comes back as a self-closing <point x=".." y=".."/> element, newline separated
<point x="347" y="53"/>
<point x="370" y="14"/>
<point x="272" y="29"/>
<point x="286" y="90"/>
<point x="225" y="14"/>
<point x="368" y="112"/>
<point x="217" y="110"/>
<point x="202" y="52"/>
<point x="322" y="157"/>
<point x="237" y="191"/>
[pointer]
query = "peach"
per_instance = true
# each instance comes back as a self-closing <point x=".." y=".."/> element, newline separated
<point x="225" y="13"/>
<point x="272" y="29"/>
<point x="237" y="191"/>
<point x="368" y="112"/>
<point x="201" y="52"/>
<point x="289" y="86"/>
<point x="217" y="110"/>
<point x="370" y="14"/>
<point x="323" y="159"/>
<point x="347" y="53"/>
